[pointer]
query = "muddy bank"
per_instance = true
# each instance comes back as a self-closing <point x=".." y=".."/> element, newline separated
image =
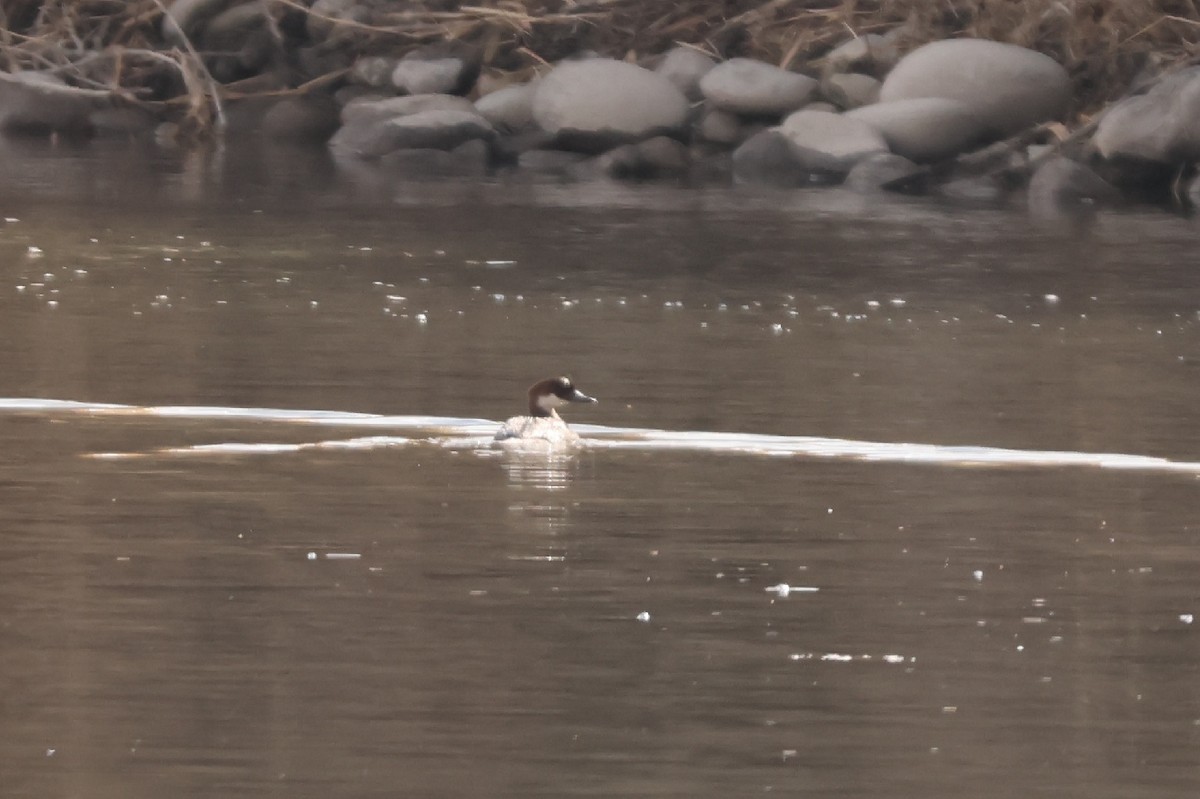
<point x="1073" y="107"/>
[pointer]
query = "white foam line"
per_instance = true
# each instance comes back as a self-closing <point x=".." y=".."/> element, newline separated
<point x="878" y="451"/>
<point x="35" y="404"/>
<point x="475" y="434"/>
<point x="446" y="425"/>
<point x="235" y="448"/>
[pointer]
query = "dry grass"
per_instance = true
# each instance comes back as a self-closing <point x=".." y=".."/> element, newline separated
<point x="116" y="44"/>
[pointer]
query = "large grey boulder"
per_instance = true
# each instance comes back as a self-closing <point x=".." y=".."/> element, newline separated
<point x="432" y="130"/>
<point x="719" y="127"/>
<point x="468" y="160"/>
<point x="1193" y="192"/>
<point x="1062" y="183"/>
<point x="653" y="158"/>
<point x="371" y="109"/>
<point x="924" y="129"/>
<point x="125" y="122"/>
<point x="826" y="142"/>
<point x="557" y="162"/>
<point x="599" y="103"/>
<point x="1161" y="126"/>
<point x="231" y="27"/>
<point x="753" y="88"/>
<point x="768" y="158"/>
<point x="374" y="71"/>
<point x="449" y="67"/>
<point x="509" y="109"/>
<point x="323" y="23"/>
<point x="312" y="119"/>
<point x="980" y="190"/>
<point x="869" y="53"/>
<point x="684" y="67"/>
<point x="1138" y="127"/>
<point x="238" y="42"/>
<point x="37" y="102"/>
<point x="885" y="172"/>
<point x="1008" y="88"/>
<point x="851" y="89"/>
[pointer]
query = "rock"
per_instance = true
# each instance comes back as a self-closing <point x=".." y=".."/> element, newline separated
<point x="653" y="158"/>
<point x="510" y="109"/>
<point x="428" y="76"/>
<point x="1184" y="90"/>
<point x="487" y="83"/>
<point x="449" y="67"/>
<point x="272" y="80"/>
<point x="257" y="52"/>
<point x="468" y="160"/>
<point x="230" y="28"/>
<point x="767" y="158"/>
<point x="1008" y="88"/>
<point x="1061" y="182"/>
<point x="925" y="129"/>
<point x="239" y="41"/>
<point x="37" y="102"/>
<point x="244" y="116"/>
<point x="354" y="93"/>
<point x="599" y="103"/>
<point x="302" y="119"/>
<point x="851" y="89"/>
<point x="371" y="109"/>
<point x="870" y="53"/>
<point x="684" y="67"/>
<point x="832" y="143"/>
<point x="1161" y="126"/>
<point x="972" y="190"/>
<point x="753" y="88"/>
<point x="719" y="127"/>
<point x="433" y="130"/>
<point x="322" y="21"/>
<point x="129" y="121"/>
<point x="711" y="166"/>
<point x="185" y="18"/>
<point x="552" y="161"/>
<point x="1193" y="191"/>
<point x="885" y="172"/>
<point x="1136" y="127"/>
<point x="664" y="155"/>
<point x="315" y="62"/>
<point x="374" y="71"/>
<point x="508" y="147"/>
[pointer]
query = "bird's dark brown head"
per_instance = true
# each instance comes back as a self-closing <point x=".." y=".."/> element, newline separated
<point x="545" y="396"/>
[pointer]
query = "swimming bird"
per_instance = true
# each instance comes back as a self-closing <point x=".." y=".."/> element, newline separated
<point x="543" y="425"/>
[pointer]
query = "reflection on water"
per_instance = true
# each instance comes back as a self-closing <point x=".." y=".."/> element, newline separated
<point x="841" y="526"/>
<point x="539" y="485"/>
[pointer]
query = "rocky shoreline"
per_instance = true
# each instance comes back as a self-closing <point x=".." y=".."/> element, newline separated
<point x="971" y="119"/>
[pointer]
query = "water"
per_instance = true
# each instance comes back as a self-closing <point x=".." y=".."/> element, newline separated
<point x="841" y="527"/>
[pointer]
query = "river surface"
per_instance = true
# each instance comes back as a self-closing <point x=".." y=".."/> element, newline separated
<point x="879" y="499"/>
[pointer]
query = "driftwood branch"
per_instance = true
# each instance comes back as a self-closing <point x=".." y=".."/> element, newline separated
<point x="196" y="77"/>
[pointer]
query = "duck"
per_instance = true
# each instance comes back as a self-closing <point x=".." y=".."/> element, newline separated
<point x="542" y="425"/>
